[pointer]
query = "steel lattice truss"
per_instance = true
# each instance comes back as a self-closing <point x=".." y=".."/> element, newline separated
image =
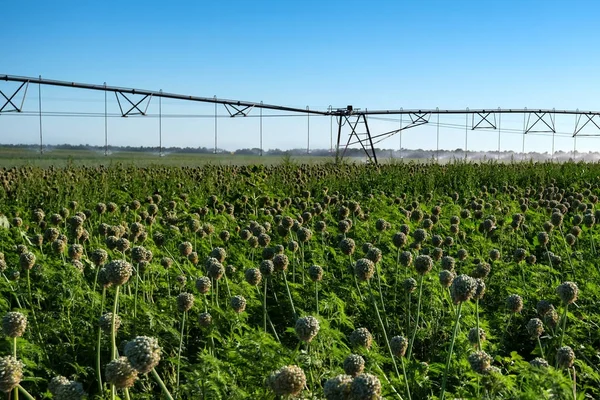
<point x="351" y="121"/>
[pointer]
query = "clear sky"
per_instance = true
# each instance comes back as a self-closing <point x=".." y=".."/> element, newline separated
<point x="372" y="54"/>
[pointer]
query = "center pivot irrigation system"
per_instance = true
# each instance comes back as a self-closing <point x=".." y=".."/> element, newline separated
<point x="350" y="121"/>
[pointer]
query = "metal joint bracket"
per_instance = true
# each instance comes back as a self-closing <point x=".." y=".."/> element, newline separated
<point x="9" y="100"/>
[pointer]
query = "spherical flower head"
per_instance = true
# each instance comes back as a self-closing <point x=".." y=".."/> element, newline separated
<point x="123" y="245"/>
<point x="446" y="278"/>
<point x="315" y="273"/>
<point x="399" y="239"/>
<point x="120" y="372"/>
<point x="479" y="290"/>
<point x="337" y="388"/>
<point x="99" y="257"/>
<point x="482" y="270"/>
<point x="266" y="267"/>
<point x="519" y="255"/>
<point x="423" y="264"/>
<point x="238" y="303"/>
<point x="556" y="218"/>
<point x="205" y="320"/>
<point x="143" y="353"/>
<point x="280" y="262"/>
<point x="105" y="322"/>
<point x="185" y="301"/>
<point x="568" y="291"/>
<point x="437" y="240"/>
<point x="27" y="260"/>
<point x="494" y="255"/>
<point x="539" y="363"/>
<point x="166" y="262"/>
<point x="463" y="288"/>
<point x="514" y="303"/>
<point x="307" y="328"/>
<point x="304" y="234"/>
<point x="253" y="276"/>
<point x="535" y="327"/>
<point x="361" y="337"/>
<point x="219" y="253"/>
<point x="480" y="361"/>
<point x="420" y="235"/>
<point x="118" y="272"/>
<point x="399" y="344"/>
<point x="139" y="253"/>
<point x="382" y="225"/>
<point x="344" y="226"/>
<point x="365" y="387"/>
<point x="264" y="239"/>
<point x="409" y="285"/>
<point x="11" y="373"/>
<point x="70" y="391"/>
<point x="14" y="324"/>
<point x="406" y="258"/>
<point x="475" y="336"/>
<point x="287" y="381"/>
<point x="56" y="383"/>
<point x="354" y="365"/>
<point x="293" y="246"/>
<point x="565" y="357"/>
<point x="347" y="246"/>
<point x="203" y="284"/>
<point x="185" y="249"/>
<point x="448" y="263"/>
<point x="364" y="269"/>
<point x="374" y="254"/>
<point x="214" y="269"/>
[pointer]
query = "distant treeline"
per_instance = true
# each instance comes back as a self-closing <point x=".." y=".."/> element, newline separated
<point x="351" y="152"/>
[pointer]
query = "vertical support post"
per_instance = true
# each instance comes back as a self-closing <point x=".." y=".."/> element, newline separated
<point x="437" y="152"/>
<point x="339" y="137"/>
<point x="40" y="108"/>
<point x="524" y="130"/>
<point x="553" y="132"/>
<point x="105" y="122"/>
<point x="261" y="133"/>
<point x="330" y="130"/>
<point x="307" y="131"/>
<point x="215" y="151"/>
<point x="467" y="134"/>
<point x="401" y="115"/>
<point x="499" y="130"/>
<point x="160" y="124"/>
<point x="575" y="140"/>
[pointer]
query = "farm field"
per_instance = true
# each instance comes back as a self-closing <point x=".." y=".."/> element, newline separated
<point x="309" y="281"/>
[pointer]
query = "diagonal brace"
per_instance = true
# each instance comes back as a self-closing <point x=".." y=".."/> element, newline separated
<point x="590" y="118"/>
<point x="238" y="110"/>
<point x="134" y="106"/>
<point x="484" y="117"/>
<point x="9" y="100"/>
<point x="540" y="117"/>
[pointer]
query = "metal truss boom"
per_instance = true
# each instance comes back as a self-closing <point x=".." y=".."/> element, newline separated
<point x="535" y="120"/>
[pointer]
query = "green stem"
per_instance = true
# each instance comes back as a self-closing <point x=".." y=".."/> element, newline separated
<point x="113" y="331"/>
<point x="478" y="336"/>
<point x="287" y="288"/>
<point x="449" y="358"/>
<point x="387" y="342"/>
<point x="541" y="348"/>
<point x="405" y="378"/>
<point x="24" y="393"/>
<point x="317" y="296"/>
<point x="161" y="384"/>
<point x="179" y="352"/>
<point x="265" y="305"/>
<point x="414" y="335"/>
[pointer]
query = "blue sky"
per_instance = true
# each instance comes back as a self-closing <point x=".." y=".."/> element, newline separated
<point x="378" y="54"/>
